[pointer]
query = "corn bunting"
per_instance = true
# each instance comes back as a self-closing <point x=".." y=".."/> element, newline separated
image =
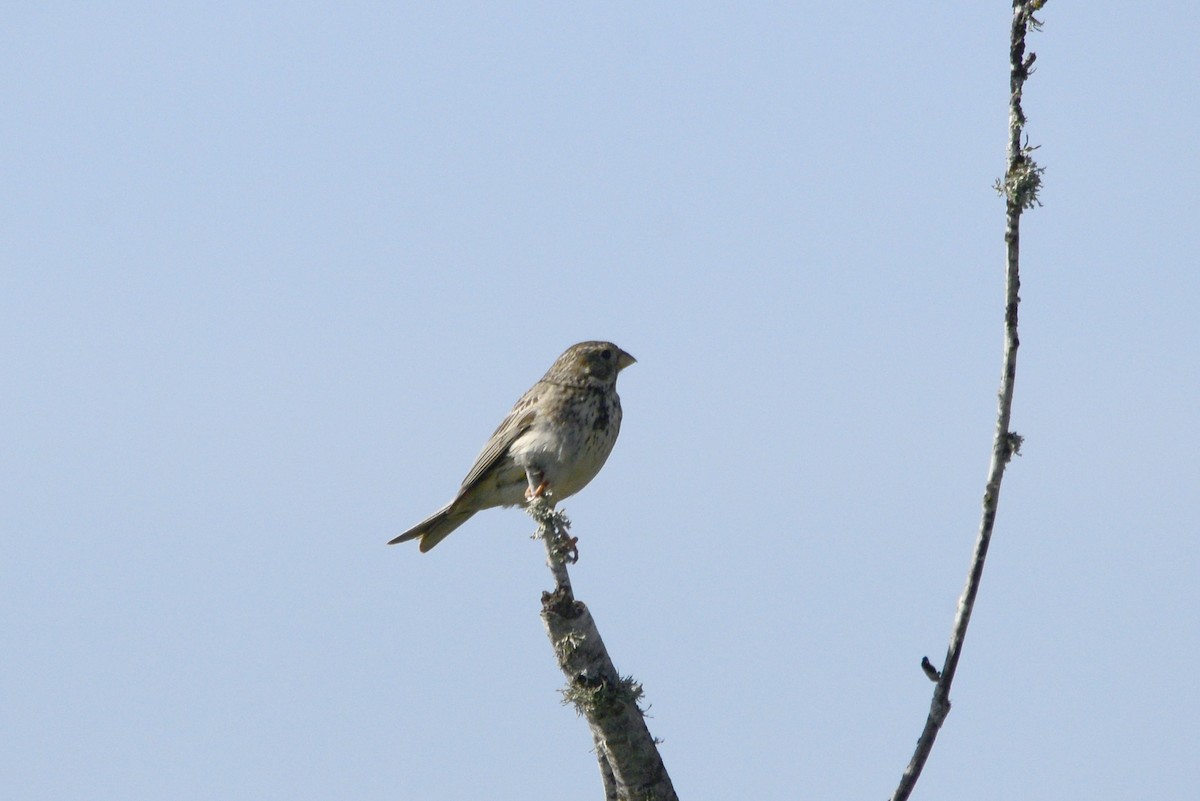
<point x="554" y="441"/>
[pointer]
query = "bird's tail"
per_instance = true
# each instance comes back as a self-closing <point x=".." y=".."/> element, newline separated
<point x="436" y="527"/>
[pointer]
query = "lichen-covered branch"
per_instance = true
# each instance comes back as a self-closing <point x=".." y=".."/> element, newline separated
<point x="1020" y="185"/>
<point x="630" y="765"/>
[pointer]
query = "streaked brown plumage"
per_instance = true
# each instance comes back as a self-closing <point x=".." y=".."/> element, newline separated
<point x="554" y="441"/>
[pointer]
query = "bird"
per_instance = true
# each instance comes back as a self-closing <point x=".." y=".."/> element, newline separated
<point x="552" y="444"/>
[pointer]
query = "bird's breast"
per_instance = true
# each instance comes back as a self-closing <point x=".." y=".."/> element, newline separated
<point x="569" y="444"/>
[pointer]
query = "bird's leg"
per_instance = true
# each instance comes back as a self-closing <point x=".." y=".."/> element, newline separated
<point x="538" y="485"/>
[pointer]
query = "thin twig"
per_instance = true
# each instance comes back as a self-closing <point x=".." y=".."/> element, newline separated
<point x="1020" y="186"/>
<point x="554" y="530"/>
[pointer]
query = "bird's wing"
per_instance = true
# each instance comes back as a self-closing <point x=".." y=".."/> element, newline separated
<point x="519" y="420"/>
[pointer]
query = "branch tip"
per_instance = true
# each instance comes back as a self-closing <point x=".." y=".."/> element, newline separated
<point x="631" y="768"/>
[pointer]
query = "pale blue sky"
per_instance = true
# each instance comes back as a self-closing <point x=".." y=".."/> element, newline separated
<point x="273" y="272"/>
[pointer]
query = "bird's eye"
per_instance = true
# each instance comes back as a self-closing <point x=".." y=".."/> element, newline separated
<point x="606" y="354"/>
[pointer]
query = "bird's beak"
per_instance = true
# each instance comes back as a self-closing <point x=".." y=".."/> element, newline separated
<point x="624" y="360"/>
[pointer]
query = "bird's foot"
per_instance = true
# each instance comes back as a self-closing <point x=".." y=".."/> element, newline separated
<point x="540" y="490"/>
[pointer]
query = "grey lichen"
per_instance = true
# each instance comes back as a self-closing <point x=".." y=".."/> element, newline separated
<point x="1012" y="445"/>
<point x="567" y="645"/>
<point x="555" y="527"/>
<point x="602" y="698"/>
<point x="1020" y="186"/>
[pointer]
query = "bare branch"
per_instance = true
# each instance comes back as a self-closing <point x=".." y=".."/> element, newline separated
<point x="630" y="765"/>
<point x="1020" y="187"/>
<point x="606" y="773"/>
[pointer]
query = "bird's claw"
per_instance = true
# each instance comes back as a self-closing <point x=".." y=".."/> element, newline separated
<point x="538" y="491"/>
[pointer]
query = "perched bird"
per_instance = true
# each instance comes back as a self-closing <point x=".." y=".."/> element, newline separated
<point x="555" y="440"/>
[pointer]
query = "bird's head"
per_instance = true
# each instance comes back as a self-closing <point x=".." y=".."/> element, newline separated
<point x="590" y="364"/>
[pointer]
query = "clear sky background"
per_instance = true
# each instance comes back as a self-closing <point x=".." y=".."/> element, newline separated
<point x="272" y="272"/>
